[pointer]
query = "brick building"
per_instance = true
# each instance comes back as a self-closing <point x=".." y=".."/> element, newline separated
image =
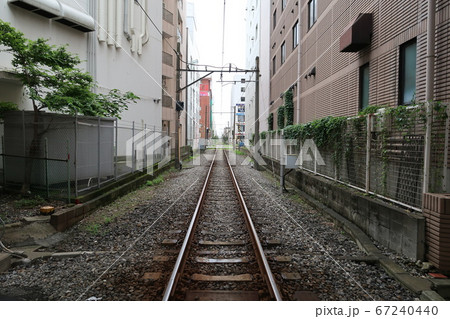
<point x="205" y="109"/>
<point x="353" y="54"/>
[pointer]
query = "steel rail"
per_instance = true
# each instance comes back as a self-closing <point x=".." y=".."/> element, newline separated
<point x="182" y="256"/>
<point x="262" y="260"/>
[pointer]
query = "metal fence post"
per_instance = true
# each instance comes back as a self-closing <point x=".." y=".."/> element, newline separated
<point x="144" y="155"/>
<point x="368" y="146"/>
<point x="75" y="155"/>
<point x="282" y="160"/>
<point x="446" y="146"/>
<point x="68" y="172"/>
<point x="115" y="155"/>
<point x="46" y="167"/>
<point x="3" y="161"/>
<point x="24" y="134"/>
<point x="315" y="160"/>
<point x="133" y="155"/>
<point x="98" y="152"/>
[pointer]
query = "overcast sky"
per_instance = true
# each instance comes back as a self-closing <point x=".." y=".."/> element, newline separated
<point x="209" y="18"/>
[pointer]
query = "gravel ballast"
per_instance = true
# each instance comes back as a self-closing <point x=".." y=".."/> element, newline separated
<point x="127" y="237"/>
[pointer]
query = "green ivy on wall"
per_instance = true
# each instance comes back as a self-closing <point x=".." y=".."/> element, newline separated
<point x="280" y="117"/>
<point x="270" y="121"/>
<point x="289" y="107"/>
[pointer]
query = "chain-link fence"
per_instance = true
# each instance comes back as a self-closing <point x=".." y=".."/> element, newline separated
<point x="61" y="156"/>
<point x="381" y="154"/>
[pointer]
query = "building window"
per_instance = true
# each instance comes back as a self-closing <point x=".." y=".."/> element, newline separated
<point x="243" y="89"/>
<point x="407" y="78"/>
<point x="274" y="65"/>
<point x="274" y="19"/>
<point x="312" y="12"/>
<point x="295" y="39"/>
<point x="283" y="4"/>
<point x="283" y="52"/>
<point x="364" y="82"/>
<point x="242" y="98"/>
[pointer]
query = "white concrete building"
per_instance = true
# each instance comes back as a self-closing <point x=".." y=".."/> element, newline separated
<point x="119" y="45"/>
<point x="238" y="118"/>
<point x="258" y="38"/>
<point x="193" y="92"/>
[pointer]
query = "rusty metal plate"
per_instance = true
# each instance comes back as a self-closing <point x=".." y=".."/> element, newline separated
<point x="243" y="277"/>
<point x="221" y="260"/>
<point x="305" y="296"/>
<point x="222" y="243"/>
<point x="218" y="295"/>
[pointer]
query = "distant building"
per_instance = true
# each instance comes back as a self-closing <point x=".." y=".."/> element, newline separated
<point x="238" y="105"/>
<point x="206" y="104"/>
<point x="192" y="106"/>
<point x="173" y="53"/>
<point x="258" y="38"/>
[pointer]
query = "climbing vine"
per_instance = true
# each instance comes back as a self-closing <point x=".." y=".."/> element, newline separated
<point x="263" y="135"/>
<point x="270" y="122"/>
<point x="289" y="107"/>
<point x="280" y="117"/>
<point x="345" y="137"/>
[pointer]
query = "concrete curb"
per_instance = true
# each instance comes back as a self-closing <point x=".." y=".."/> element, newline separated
<point x="66" y="218"/>
<point x="419" y="286"/>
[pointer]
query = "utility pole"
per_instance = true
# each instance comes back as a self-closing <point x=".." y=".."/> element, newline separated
<point x="256" y="140"/>
<point x="178" y="109"/>
<point x="233" y="129"/>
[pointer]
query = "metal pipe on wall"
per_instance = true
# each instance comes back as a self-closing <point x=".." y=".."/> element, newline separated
<point x="111" y="20"/>
<point x="102" y="20"/>
<point x="119" y="23"/>
<point x="429" y="97"/>
<point x="132" y="27"/>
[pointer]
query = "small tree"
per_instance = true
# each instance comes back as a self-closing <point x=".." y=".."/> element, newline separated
<point x="225" y="138"/>
<point x="53" y="82"/>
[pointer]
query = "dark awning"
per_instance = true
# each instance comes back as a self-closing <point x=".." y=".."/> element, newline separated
<point x="357" y="34"/>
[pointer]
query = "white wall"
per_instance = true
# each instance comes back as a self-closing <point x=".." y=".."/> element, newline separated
<point x="193" y="116"/>
<point x="264" y="65"/>
<point x="252" y="51"/>
<point x="133" y="65"/>
<point x="35" y="26"/>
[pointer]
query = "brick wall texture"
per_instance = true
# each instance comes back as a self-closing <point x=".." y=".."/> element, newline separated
<point x="334" y="90"/>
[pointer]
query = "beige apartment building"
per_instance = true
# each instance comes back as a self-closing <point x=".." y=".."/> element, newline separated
<point x="340" y="56"/>
<point x="174" y="43"/>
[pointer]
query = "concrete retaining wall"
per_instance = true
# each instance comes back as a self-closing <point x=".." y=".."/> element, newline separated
<point x="395" y="228"/>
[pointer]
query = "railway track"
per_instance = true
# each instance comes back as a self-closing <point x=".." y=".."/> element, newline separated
<point x="221" y="257"/>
